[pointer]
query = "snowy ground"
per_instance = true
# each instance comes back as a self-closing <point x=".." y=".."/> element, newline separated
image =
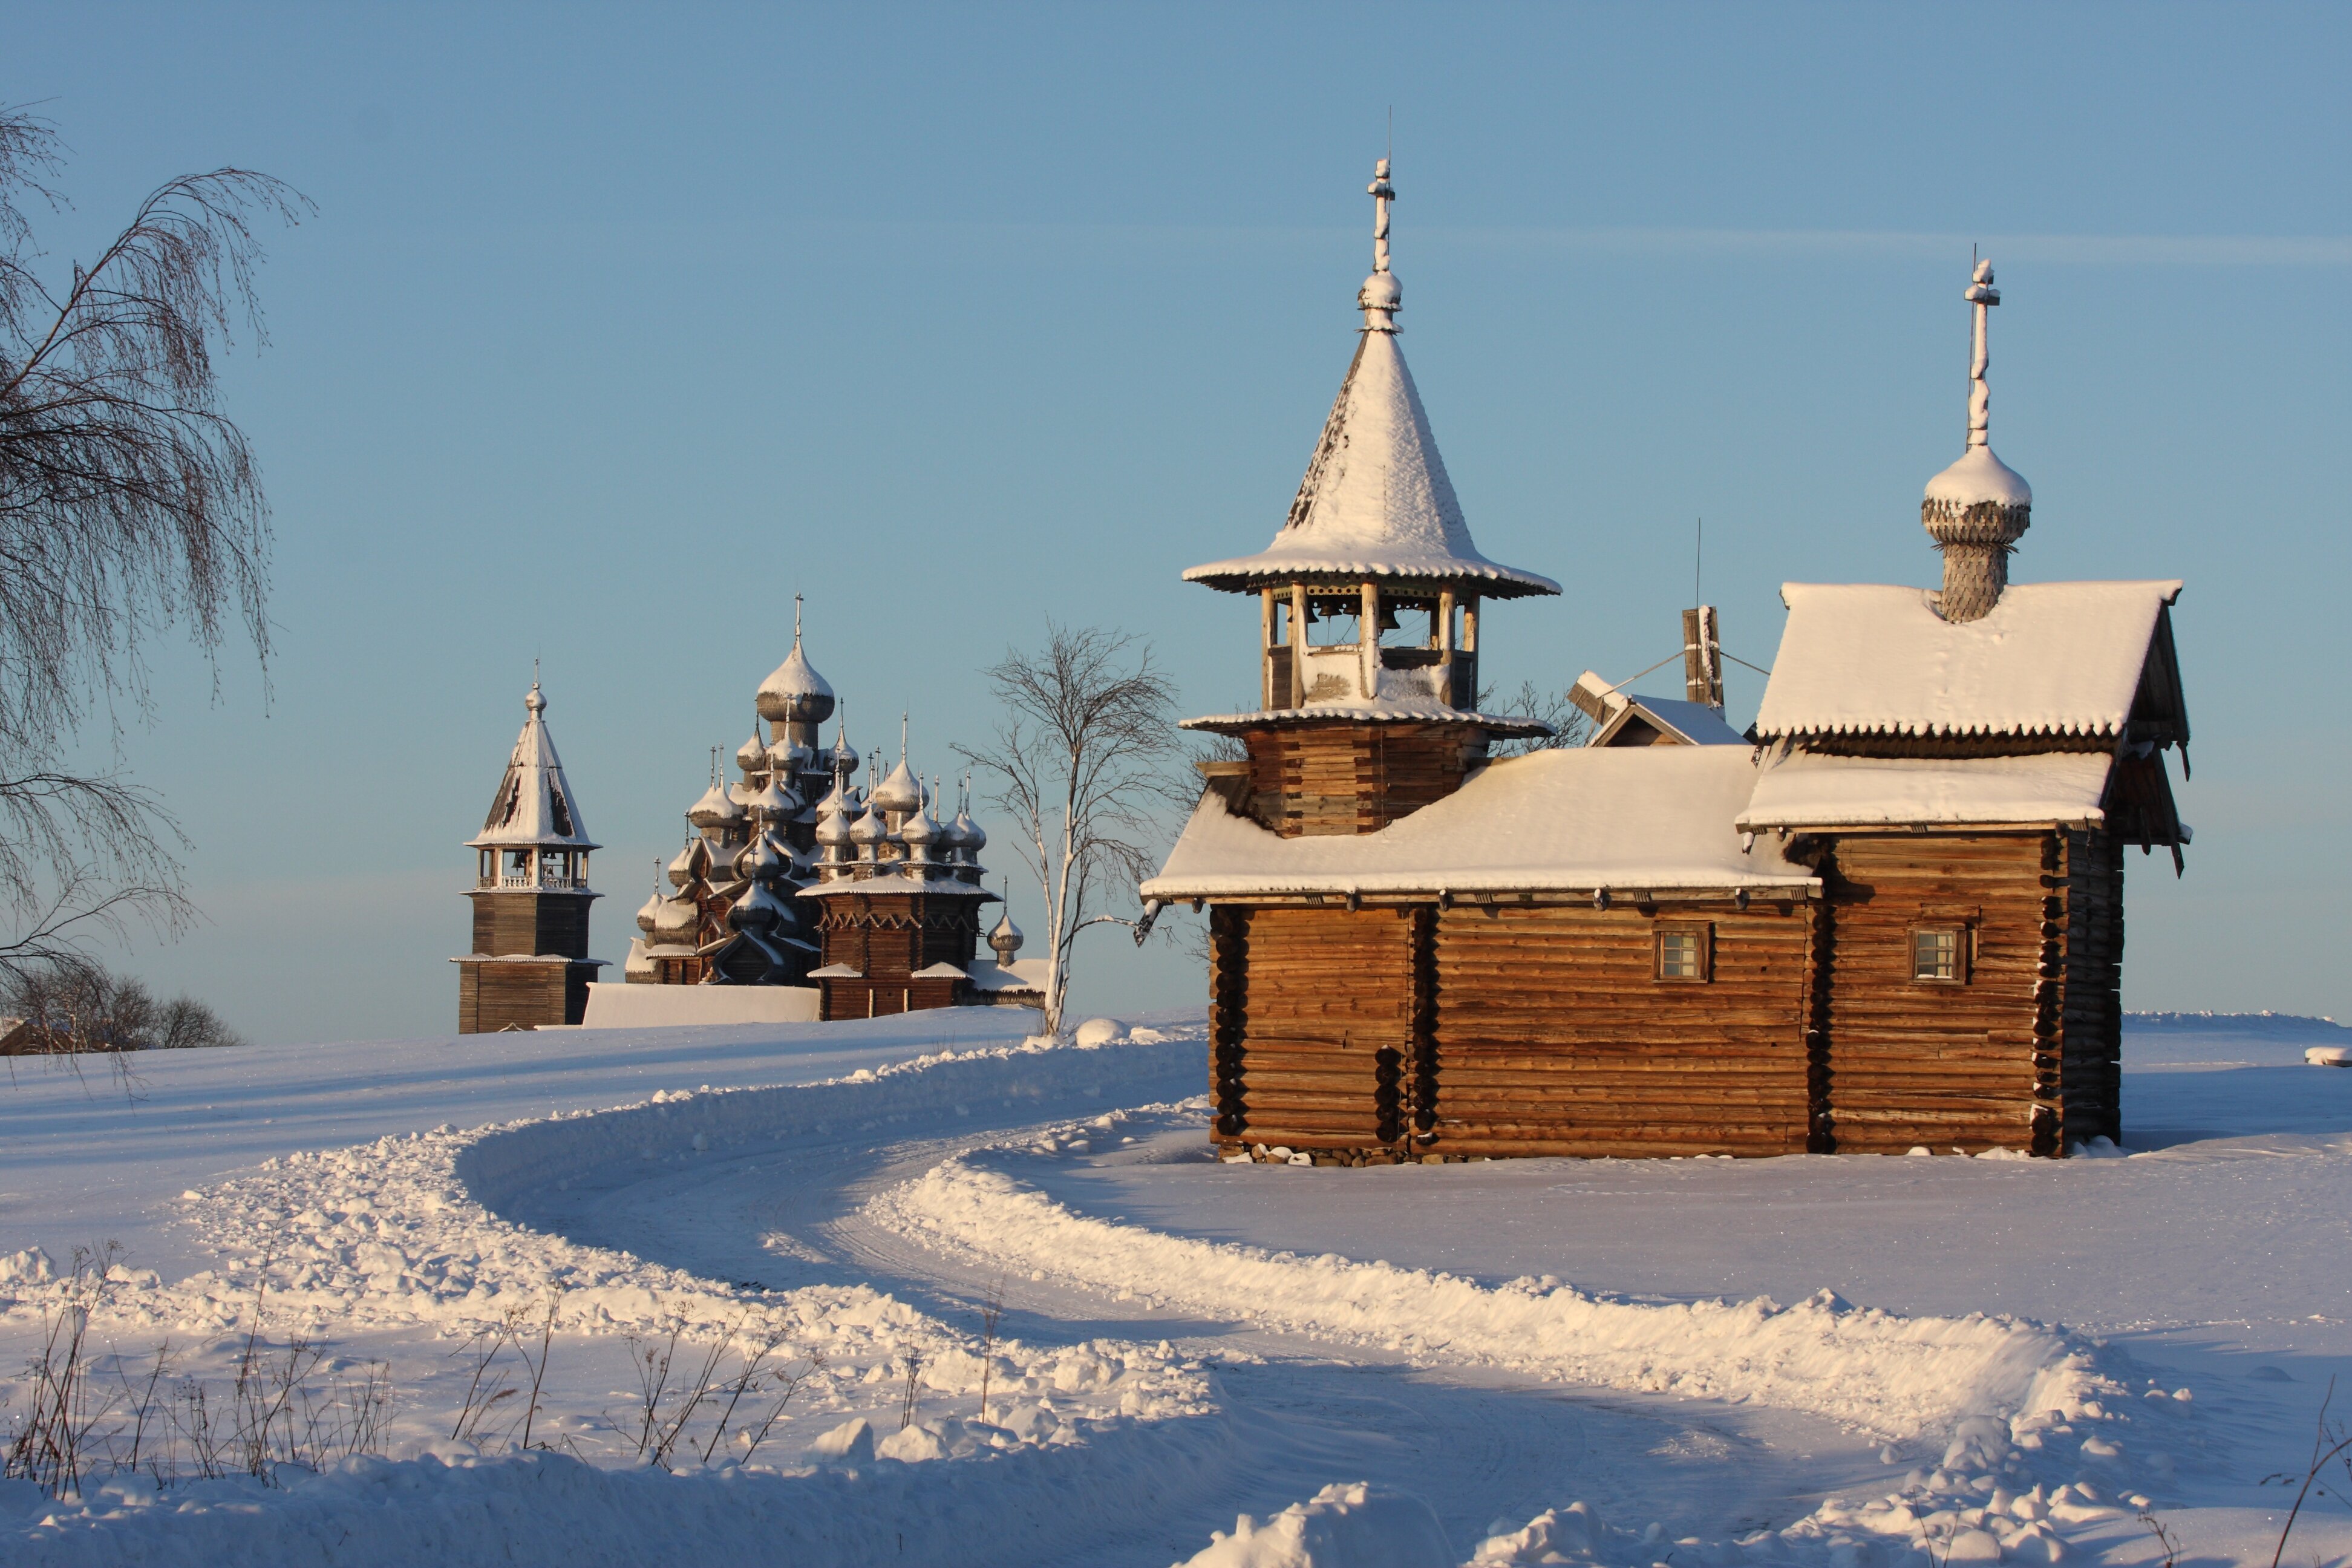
<point x="1843" y="1362"/>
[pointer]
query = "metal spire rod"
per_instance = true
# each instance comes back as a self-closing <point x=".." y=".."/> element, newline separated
<point x="1984" y="296"/>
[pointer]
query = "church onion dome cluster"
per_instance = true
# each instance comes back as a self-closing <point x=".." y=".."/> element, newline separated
<point x="892" y="831"/>
<point x="734" y="914"/>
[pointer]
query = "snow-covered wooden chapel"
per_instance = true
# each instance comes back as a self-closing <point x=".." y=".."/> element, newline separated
<point x="1889" y="917"/>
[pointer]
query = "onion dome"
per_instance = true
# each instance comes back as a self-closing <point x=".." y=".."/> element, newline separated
<point x="679" y="921"/>
<point x="795" y="693"/>
<point x="869" y="829"/>
<point x="744" y="796"/>
<point x="843" y="758"/>
<point x="832" y="825"/>
<point x="692" y="861"/>
<point x="715" y="809"/>
<point x="974" y="837"/>
<point x="899" y="793"/>
<point x="752" y="756"/>
<point x="1977" y="509"/>
<point x="638" y="969"/>
<point x="1005" y="938"/>
<point x="920" y="830"/>
<point x="775" y="803"/>
<point x="758" y="910"/>
<point x="650" y="913"/>
<point x="761" y="862"/>
<point x="789" y="758"/>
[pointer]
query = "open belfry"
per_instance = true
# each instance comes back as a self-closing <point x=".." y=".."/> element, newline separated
<point x="1888" y="918"/>
<point x="529" y="964"/>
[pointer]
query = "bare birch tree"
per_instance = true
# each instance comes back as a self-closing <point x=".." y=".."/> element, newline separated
<point x="129" y="504"/>
<point x="1078" y="761"/>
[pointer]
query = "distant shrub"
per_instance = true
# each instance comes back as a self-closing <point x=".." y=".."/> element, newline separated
<point x="66" y="1008"/>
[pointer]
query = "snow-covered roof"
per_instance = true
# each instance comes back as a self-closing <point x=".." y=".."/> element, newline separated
<point x="1429" y="710"/>
<point x="1025" y="975"/>
<point x="534" y="804"/>
<point x="1807" y="790"/>
<point x="2048" y="659"/>
<point x="1632" y="819"/>
<point x="1376" y="501"/>
<point x="1694" y="723"/>
<point x="938" y="880"/>
<point x="941" y="970"/>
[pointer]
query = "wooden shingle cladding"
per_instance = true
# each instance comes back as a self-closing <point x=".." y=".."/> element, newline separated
<point x="1345" y="779"/>
<point x="506" y="922"/>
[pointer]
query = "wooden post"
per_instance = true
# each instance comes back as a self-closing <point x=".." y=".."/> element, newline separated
<point x="1267" y="695"/>
<point x="1368" y="643"/>
<point x="1470" y="648"/>
<point x="1298" y="645"/>
<point x="1702" y="657"/>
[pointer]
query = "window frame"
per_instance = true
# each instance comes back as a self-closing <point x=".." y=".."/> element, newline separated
<point x="1703" y="931"/>
<point x="1963" y="934"/>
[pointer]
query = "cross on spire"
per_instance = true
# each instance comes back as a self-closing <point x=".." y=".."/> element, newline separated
<point x="1984" y="296"/>
<point x="1382" y="193"/>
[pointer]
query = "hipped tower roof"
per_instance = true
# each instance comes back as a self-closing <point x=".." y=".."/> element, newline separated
<point x="534" y="803"/>
<point x="1376" y="501"/>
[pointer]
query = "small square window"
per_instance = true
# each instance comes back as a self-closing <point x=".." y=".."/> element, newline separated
<point x="1939" y="955"/>
<point x="1682" y="953"/>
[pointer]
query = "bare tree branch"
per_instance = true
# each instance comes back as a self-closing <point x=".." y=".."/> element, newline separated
<point x="1078" y="761"/>
<point x="129" y="504"/>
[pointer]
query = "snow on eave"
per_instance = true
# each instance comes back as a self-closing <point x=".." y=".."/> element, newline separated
<point x="2048" y="659"/>
<point x="1653" y="819"/>
<point x="1248" y="573"/>
<point x="1811" y="791"/>
<point x="1384" y="712"/>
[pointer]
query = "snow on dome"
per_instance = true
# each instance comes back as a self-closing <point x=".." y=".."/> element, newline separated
<point x="752" y="756"/>
<point x="973" y="836"/>
<point x="692" y="861"/>
<point x="534" y="804"/>
<point x="761" y="862"/>
<point x="899" y="793"/>
<point x="843" y="758"/>
<point x="678" y="920"/>
<point x="790" y="757"/>
<point x="921" y="826"/>
<point x="2048" y="659"/>
<point x="869" y="828"/>
<point x="795" y="692"/>
<point x="713" y="808"/>
<point x="1005" y="936"/>
<point x="775" y="802"/>
<point x="650" y="912"/>
<point x="1979" y="477"/>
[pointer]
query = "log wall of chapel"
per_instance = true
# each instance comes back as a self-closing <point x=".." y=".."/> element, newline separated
<point x="1479" y="1030"/>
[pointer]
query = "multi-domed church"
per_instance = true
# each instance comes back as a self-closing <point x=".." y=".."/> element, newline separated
<point x="858" y="899"/>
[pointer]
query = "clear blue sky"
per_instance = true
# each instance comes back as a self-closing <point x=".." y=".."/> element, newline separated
<point x="616" y="325"/>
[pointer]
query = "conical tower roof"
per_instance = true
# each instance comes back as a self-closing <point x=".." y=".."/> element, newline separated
<point x="1376" y="501"/>
<point x="534" y="803"/>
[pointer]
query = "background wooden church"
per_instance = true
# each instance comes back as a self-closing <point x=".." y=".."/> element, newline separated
<point x="1890" y="917"/>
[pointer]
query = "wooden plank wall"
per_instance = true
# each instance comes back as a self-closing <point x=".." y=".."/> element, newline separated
<point x="1326" y="1024"/>
<point x="1345" y="779"/>
<point x="2089" y="931"/>
<point x="1553" y="1034"/>
<point x="1914" y="1064"/>
<point x="518" y="923"/>
<point x="494" y="996"/>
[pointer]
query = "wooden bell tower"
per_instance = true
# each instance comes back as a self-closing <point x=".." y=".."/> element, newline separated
<point x="1367" y="608"/>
